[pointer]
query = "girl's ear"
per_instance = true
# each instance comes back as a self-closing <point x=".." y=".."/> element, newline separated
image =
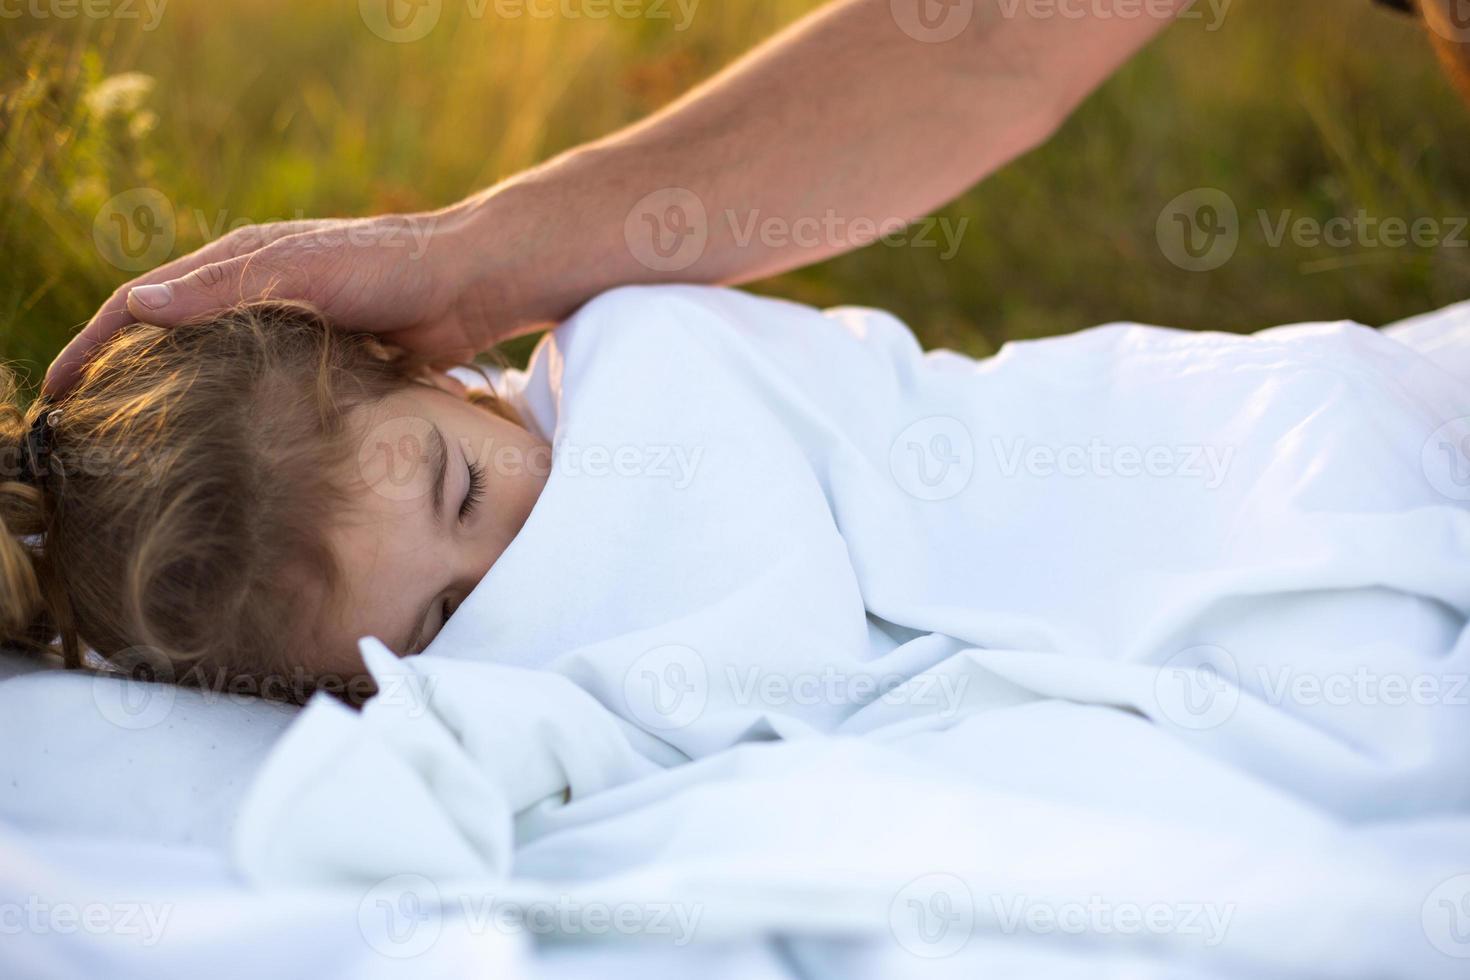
<point x="445" y="382"/>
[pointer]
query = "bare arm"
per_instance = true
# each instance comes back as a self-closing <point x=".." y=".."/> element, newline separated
<point x="859" y="115"/>
<point x="845" y="120"/>
<point x="1448" y="25"/>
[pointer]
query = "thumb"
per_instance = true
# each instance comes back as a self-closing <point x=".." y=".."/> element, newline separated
<point x="269" y="273"/>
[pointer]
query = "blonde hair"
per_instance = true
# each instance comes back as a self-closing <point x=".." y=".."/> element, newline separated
<point x="192" y="475"/>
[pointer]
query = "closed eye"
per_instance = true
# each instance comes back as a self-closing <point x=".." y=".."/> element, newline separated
<point x="475" y="492"/>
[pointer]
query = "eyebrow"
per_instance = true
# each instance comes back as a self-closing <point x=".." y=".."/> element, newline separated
<point x="439" y="466"/>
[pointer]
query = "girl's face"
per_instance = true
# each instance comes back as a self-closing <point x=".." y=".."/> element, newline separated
<point x="441" y="487"/>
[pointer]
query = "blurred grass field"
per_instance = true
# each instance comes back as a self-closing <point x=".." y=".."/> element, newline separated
<point x="258" y="110"/>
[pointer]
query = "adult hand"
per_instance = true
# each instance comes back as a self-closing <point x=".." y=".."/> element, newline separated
<point x="406" y="277"/>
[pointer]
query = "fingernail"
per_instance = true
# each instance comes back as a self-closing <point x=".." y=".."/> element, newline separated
<point x="155" y="297"/>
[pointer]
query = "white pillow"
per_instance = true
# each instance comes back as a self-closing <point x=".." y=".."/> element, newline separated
<point x="104" y="756"/>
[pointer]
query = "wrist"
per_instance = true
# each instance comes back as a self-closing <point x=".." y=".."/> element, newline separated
<point x="530" y="250"/>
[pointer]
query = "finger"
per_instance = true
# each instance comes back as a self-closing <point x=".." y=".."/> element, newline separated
<point x="243" y="241"/>
<point x="67" y="368"/>
<point x="444" y="344"/>
<point x="115" y="314"/>
<point x="277" y="271"/>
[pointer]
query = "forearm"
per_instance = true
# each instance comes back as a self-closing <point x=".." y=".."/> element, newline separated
<point x="1449" y="32"/>
<point x="844" y="124"/>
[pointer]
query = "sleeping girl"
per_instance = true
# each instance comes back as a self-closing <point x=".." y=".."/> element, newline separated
<point x="726" y="518"/>
<point x="207" y="505"/>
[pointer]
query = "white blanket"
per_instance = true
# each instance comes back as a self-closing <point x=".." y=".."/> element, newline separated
<point x="1140" y="643"/>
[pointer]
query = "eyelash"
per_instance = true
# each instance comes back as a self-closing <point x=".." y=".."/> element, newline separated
<point x="475" y="493"/>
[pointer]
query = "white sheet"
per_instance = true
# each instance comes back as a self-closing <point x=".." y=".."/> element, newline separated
<point x="1149" y="644"/>
<point x="104" y="756"/>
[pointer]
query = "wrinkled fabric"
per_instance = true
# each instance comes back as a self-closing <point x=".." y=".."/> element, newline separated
<point x="806" y="617"/>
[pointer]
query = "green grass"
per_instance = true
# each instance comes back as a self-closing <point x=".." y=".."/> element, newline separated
<point x="265" y="109"/>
